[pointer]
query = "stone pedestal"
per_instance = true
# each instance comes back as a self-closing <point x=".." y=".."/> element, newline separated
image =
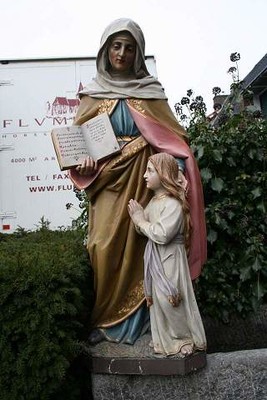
<point x="240" y="375"/>
<point x="124" y="372"/>
<point x="121" y="359"/>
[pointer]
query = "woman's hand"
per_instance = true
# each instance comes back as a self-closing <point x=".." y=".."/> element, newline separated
<point x="136" y="211"/>
<point x="87" y="167"/>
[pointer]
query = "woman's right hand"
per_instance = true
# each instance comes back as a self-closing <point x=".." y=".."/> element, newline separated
<point x="87" y="167"/>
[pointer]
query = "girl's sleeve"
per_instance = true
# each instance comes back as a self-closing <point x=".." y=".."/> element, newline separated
<point x="167" y="226"/>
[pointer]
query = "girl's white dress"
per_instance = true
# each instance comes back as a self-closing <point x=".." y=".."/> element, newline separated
<point x="171" y="327"/>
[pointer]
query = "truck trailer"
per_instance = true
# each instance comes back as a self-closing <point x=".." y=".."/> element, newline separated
<point x="38" y="95"/>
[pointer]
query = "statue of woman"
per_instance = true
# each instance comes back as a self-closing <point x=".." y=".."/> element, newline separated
<point x="176" y="324"/>
<point x="144" y="124"/>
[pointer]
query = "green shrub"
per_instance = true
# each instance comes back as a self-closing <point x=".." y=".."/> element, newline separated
<point x="231" y="155"/>
<point x="44" y="304"/>
<point x="232" y="160"/>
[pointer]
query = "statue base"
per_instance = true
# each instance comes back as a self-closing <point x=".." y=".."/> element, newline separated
<point x="139" y="359"/>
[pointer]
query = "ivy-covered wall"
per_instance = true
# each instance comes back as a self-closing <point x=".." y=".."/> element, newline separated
<point x="231" y="151"/>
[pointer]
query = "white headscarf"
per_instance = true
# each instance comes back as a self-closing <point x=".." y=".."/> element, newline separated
<point x="141" y="85"/>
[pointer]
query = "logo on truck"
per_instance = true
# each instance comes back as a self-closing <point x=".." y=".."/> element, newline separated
<point x="62" y="106"/>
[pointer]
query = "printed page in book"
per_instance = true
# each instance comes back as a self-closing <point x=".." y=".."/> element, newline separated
<point x="99" y="137"/>
<point x="69" y="146"/>
<point x="95" y="138"/>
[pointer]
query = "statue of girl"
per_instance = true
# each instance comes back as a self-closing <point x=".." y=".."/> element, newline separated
<point x="176" y="324"/>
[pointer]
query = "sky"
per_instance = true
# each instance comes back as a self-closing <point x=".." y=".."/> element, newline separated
<point x="191" y="40"/>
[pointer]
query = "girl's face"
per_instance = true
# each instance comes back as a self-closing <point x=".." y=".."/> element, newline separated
<point x="121" y="52"/>
<point x="152" y="178"/>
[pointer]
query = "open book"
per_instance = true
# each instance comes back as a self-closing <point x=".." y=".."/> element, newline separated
<point x="94" y="138"/>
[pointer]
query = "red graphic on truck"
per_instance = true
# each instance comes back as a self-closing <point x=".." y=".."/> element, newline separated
<point x="63" y="106"/>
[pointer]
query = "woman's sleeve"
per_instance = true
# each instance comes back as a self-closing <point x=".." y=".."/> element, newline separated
<point x="167" y="226"/>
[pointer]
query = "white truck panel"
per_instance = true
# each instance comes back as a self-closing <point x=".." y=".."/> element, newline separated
<point x="36" y="96"/>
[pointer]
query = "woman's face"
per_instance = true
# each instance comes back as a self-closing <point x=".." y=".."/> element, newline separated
<point x="121" y="52"/>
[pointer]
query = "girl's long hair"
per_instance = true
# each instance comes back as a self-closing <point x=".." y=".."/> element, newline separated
<point x="168" y="171"/>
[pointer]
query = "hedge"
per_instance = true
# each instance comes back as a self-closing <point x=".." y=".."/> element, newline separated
<point x="45" y="297"/>
<point x="231" y="155"/>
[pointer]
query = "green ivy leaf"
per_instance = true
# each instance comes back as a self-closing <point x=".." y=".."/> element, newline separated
<point x="217" y="155"/>
<point x="245" y="273"/>
<point x="244" y="176"/>
<point x="260" y="291"/>
<point x="200" y="151"/>
<point x="252" y="153"/>
<point x="206" y="174"/>
<point x="212" y="236"/>
<point x="230" y="214"/>
<point x="256" y="193"/>
<point x="217" y="184"/>
<point x="256" y="266"/>
<point x="231" y="162"/>
<point x="261" y="207"/>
